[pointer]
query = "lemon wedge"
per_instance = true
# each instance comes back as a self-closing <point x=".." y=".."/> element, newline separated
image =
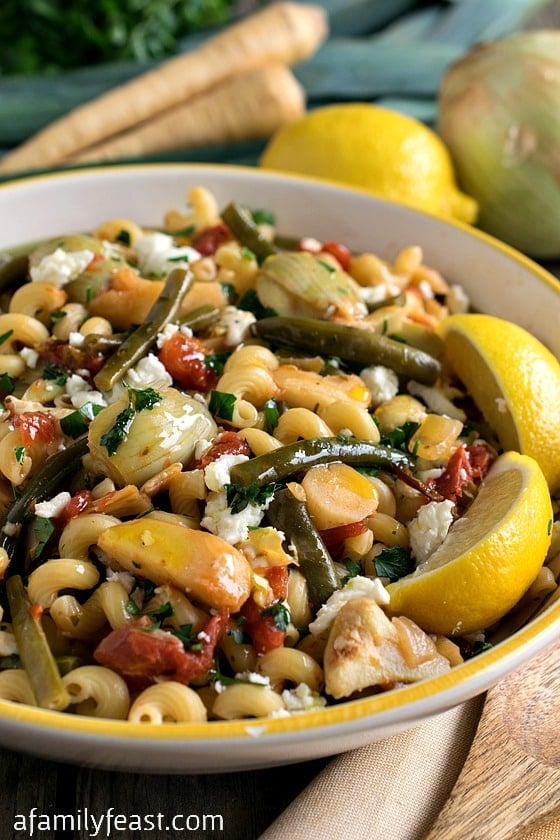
<point x="489" y="558"/>
<point x="383" y="151"/>
<point x="515" y="382"/>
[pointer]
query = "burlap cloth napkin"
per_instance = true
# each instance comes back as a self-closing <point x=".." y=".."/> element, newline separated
<point x="391" y="790"/>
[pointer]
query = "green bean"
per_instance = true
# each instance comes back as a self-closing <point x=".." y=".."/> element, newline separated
<point x="292" y="458"/>
<point x="201" y="318"/>
<point x="45" y="483"/>
<point x="350" y="344"/>
<point x="290" y="515"/>
<point x="97" y="343"/>
<point x="34" y="650"/>
<point x="241" y="224"/>
<point x="137" y="344"/>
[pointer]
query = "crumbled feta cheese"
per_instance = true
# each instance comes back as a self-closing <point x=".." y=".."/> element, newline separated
<point x="169" y="330"/>
<point x="52" y="507"/>
<point x="231" y="527"/>
<point x="373" y="294"/>
<point x="76" y="339"/>
<point x="61" y="266"/>
<point x="429" y="528"/>
<point x="457" y="299"/>
<point x="357" y="587"/>
<point x="235" y="324"/>
<point x="80" y="392"/>
<point x="302" y="699"/>
<point x="148" y="372"/>
<point x="253" y="677"/>
<point x="29" y="356"/>
<point x="216" y="474"/>
<point x="309" y="243"/>
<point x="381" y="382"/>
<point x="158" y="254"/>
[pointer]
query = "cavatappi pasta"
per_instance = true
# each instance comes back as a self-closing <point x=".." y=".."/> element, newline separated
<point x="202" y="484"/>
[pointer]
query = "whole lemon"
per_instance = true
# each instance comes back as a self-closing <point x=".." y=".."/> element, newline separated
<point x="388" y="153"/>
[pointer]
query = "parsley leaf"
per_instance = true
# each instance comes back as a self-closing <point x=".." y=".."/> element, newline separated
<point x="54" y="374"/>
<point x="354" y="568"/>
<point x="75" y="425"/>
<point x="137" y="401"/>
<point x="216" y="362"/>
<point x="394" y="562"/>
<point x="280" y="613"/>
<point x="221" y="404"/>
<point x="238" y="497"/>
<point x="398" y="438"/>
<point x="271" y="415"/>
<point x="43" y="529"/>
<point x="263" y="217"/>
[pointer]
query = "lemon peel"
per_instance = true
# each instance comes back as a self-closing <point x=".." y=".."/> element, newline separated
<point x="383" y="151"/>
<point x="514" y="380"/>
<point x="489" y="558"/>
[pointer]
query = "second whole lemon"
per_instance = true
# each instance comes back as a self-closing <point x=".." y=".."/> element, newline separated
<point x="383" y="151"/>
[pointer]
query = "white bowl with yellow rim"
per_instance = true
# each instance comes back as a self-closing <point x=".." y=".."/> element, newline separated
<point x="498" y="280"/>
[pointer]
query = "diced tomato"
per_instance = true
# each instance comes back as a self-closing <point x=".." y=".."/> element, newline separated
<point x="227" y="443"/>
<point x="63" y="355"/>
<point x="36" y="611"/>
<point x="36" y="427"/>
<point x="209" y="240"/>
<point x="334" y="537"/>
<point x="262" y="630"/>
<point x="277" y="576"/>
<point x="184" y="358"/>
<point x="340" y="252"/>
<point x="467" y="464"/>
<point x="77" y="504"/>
<point x="135" y="651"/>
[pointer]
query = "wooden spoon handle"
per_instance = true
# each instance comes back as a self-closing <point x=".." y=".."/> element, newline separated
<point x="511" y="778"/>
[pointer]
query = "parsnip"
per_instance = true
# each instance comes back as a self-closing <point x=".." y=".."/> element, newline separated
<point x="249" y="106"/>
<point x="284" y="32"/>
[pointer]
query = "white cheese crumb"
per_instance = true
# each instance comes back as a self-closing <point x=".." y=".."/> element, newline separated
<point x="357" y="587"/>
<point x="302" y="699"/>
<point x="8" y="644"/>
<point x="235" y="324"/>
<point x="80" y="392"/>
<point x="457" y="299"/>
<point x="29" y="356"/>
<point x="148" y="372"/>
<point x="429" y="528"/>
<point x="126" y="580"/>
<point x="216" y="474"/>
<point x="231" y="527"/>
<point x="158" y="254"/>
<point x="501" y="405"/>
<point x="169" y="330"/>
<point x="253" y="677"/>
<point x="51" y="508"/>
<point x="61" y="266"/>
<point x="381" y="382"/>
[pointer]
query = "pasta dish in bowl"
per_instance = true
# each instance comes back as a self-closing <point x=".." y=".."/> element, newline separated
<point x="252" y="490"/>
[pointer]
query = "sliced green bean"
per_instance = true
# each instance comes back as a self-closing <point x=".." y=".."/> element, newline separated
<point x="290" y="515"/>
<point x="201" y="318"/>
<point x="34" y="650"/>
<point x="350" y="344"/>
<point x="292" y="458"/>
<point x="244" y="229"/>
<point x="44" y="485"/>
<point x="137" y="344"/>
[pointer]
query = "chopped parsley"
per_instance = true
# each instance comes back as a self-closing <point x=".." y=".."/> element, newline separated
<point x="353" y="567"/>
<point x="5" y="336"/>
<point x="76" y="424"/>
<point x="123" y="237"/>
<point x="19" y="454"/>
<point x="280" y="613"/>
<point x="249" y="302"/>
<point x="271" y="415"/>
<point x="398" y="438"/>
<point x="238" y="497"/>
<point x="394" y="562"/>
<point x="43" y="529"/>
<point x="7" y="383"/>
<point x="216" y="362"/>
<point x="185" y="635"/>
<point x="54" y="374"/>
<point x="137" y="401"/>
<point x="263" y="217"/>
<point x="221" y="404"/>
